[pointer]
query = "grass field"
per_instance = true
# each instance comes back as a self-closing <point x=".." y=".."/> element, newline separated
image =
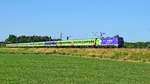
<point x="17" y="68"/>
<point x="121" y="54"/>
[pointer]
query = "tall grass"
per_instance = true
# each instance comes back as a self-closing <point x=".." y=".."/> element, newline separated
<point x="126" y="54"/>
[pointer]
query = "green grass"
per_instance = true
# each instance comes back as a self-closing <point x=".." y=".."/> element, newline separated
<point x="60" y="69"/>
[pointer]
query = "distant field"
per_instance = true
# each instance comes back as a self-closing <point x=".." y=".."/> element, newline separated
<point x="121" y="54"/>
<point x="63" y="69"/>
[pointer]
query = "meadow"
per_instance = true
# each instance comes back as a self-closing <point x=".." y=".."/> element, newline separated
<point x="120" y="54"/>
<point x="59" y="69"/>
<point x="53" y="66"/>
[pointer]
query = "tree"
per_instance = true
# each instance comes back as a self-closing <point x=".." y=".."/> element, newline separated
<point x="11" y="39"/>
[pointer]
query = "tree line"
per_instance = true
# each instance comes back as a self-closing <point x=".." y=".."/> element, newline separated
<point x="137" y="45"/>
<point x="25" y="39"/>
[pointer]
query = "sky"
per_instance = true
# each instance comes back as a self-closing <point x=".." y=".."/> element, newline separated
<point x="79" y="19"/>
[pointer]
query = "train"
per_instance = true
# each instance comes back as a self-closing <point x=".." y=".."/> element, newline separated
<point x="115" y="41"/>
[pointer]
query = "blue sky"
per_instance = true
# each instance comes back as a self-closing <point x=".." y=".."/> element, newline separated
<point x="78" y="18"/>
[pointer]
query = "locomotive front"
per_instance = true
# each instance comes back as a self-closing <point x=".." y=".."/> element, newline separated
<point x="115" y="41"/>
